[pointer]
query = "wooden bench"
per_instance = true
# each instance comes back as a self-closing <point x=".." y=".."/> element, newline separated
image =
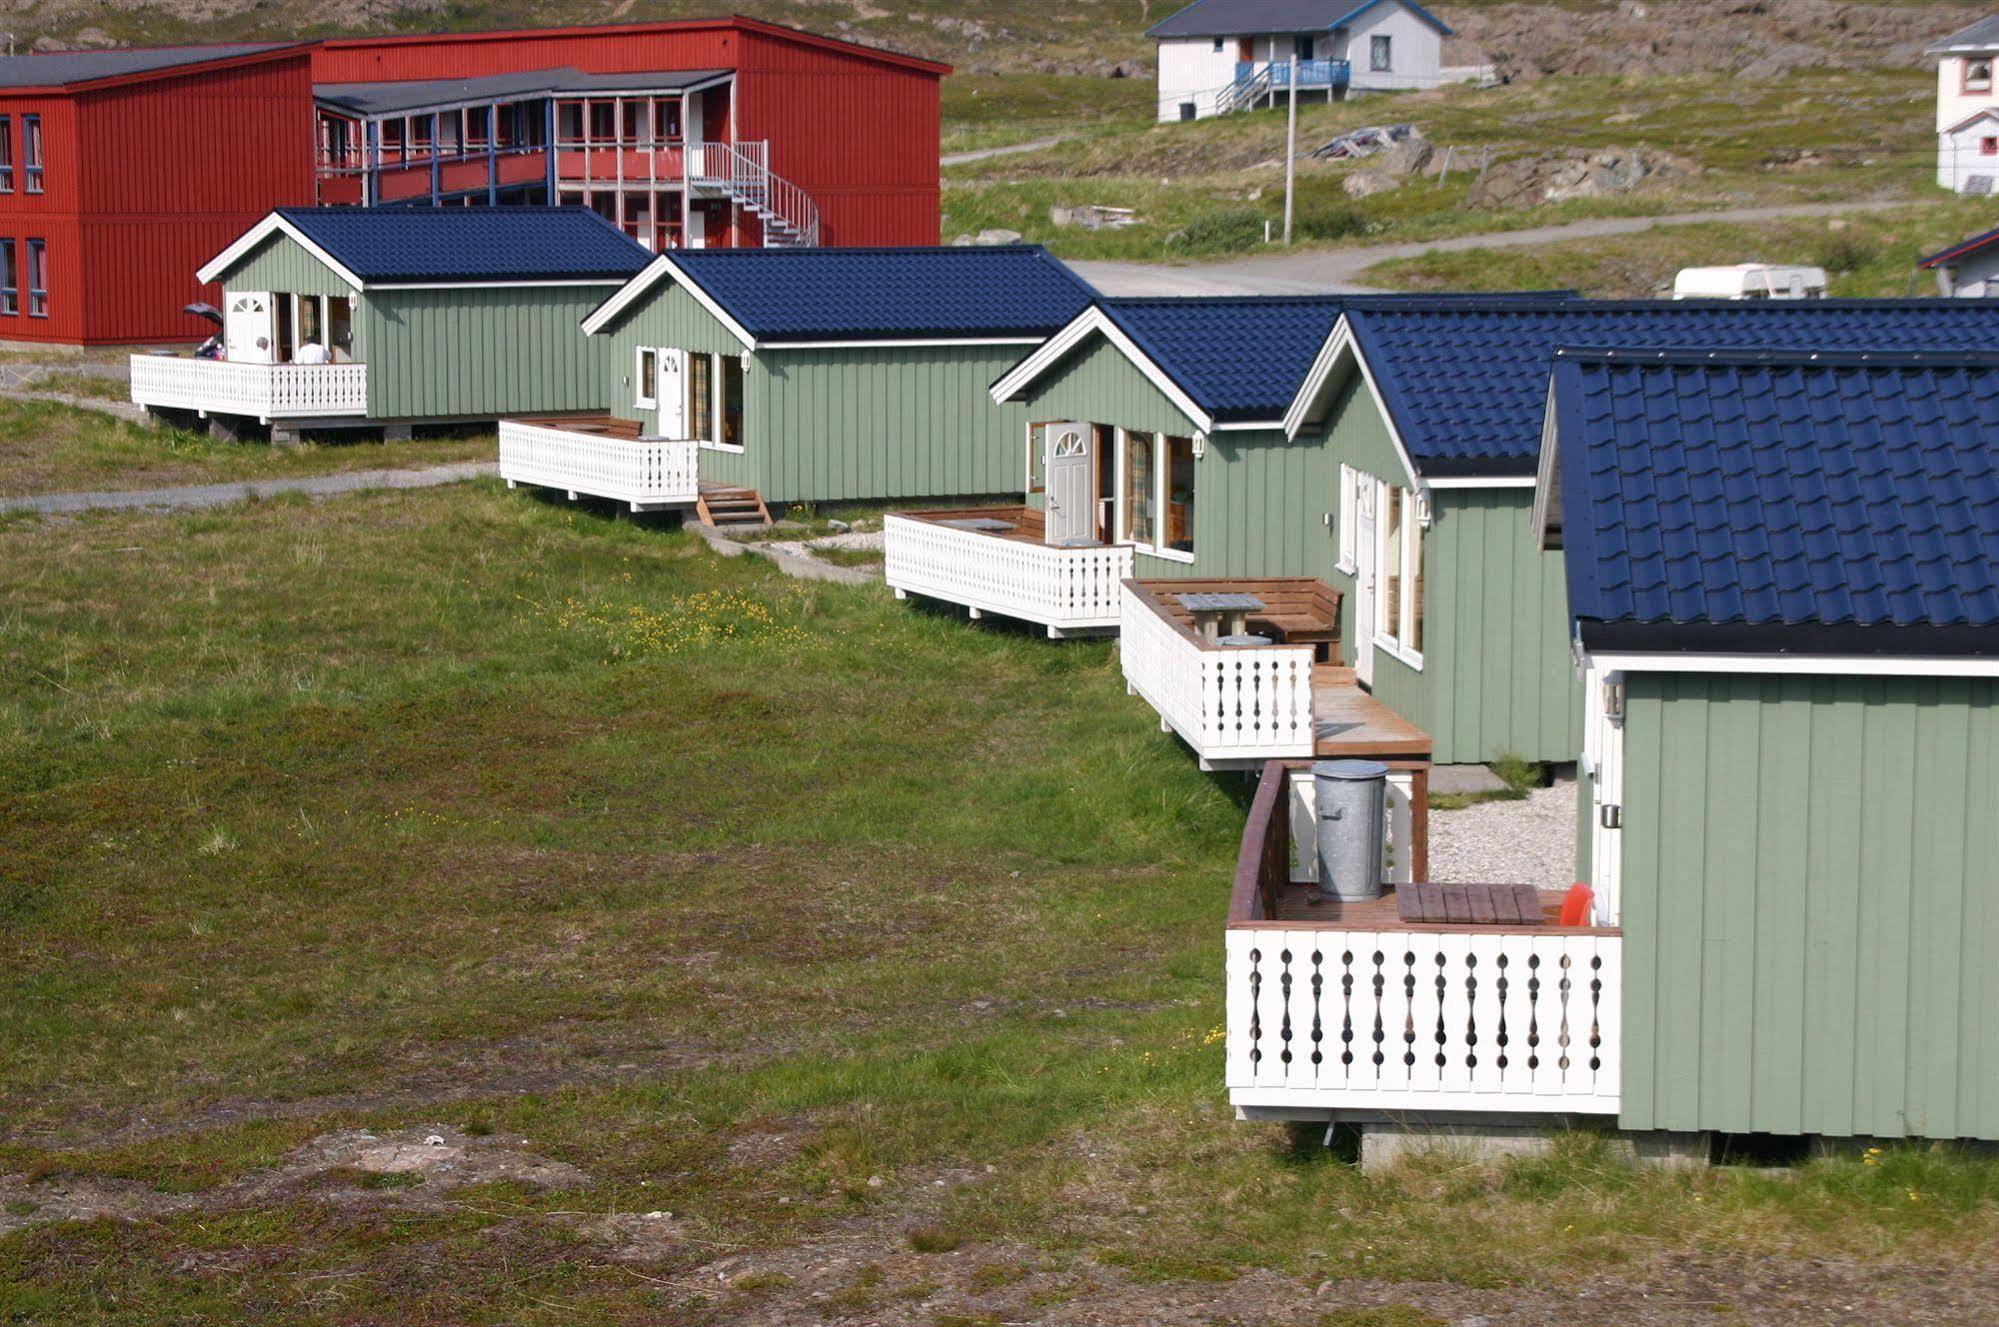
<point x="1309" y="618"/>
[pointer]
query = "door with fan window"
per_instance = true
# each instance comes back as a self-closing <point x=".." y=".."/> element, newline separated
<point x="1072" y="498"/>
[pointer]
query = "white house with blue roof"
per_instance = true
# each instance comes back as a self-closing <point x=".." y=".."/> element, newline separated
<point x="394" y="318"/>
<point x="741" y="378"/>
<point x="1217" y="56"/>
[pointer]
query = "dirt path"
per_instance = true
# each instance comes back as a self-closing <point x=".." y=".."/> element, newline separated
<point x="1338" y="271"/>
<point x="1008" y="150"/>
<point x="198" y="496"/>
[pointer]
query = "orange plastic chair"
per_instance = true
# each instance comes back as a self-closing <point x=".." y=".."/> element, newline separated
<point x="1576" y="906"/>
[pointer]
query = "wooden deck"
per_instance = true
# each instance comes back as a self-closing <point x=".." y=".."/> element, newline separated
<point x="1295" y="908"/>
<point x="1029" y="524"/>
<point x="1349" y="722"/>
<point x="596" y="426"/>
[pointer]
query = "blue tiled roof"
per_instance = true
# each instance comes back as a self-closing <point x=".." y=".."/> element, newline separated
<point x="1239" y="357"/>
<point x="1962" y="249"/>
<point x="1834" y="503"/>
<point x="890" y="294"/>
<point x="466" y="244"/>
<point x="1467" y="385"/>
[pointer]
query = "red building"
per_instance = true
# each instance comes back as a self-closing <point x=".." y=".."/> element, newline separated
<point x="121" y="172"/>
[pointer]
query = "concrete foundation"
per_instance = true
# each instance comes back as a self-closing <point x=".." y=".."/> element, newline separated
<point x="1385" y="1144"/>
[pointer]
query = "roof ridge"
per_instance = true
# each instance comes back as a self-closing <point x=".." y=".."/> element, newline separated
<point x="1799" y="356"/>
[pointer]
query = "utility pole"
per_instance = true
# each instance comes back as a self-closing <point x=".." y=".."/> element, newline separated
<point x="1291" y="151"/>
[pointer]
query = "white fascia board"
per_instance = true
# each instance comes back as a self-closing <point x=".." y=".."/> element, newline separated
<point x="1338" y="346"/>
<point x="663" y="266"/>
<point x="1823" y="665"/>
<point x="257" y="234"/>
<point x="1481" y="481"/>
<point x="1090" y="322"/>
<point x="1544" y="471"/>
<point x="1249" y="426"/>
<point x="932" y="342"/>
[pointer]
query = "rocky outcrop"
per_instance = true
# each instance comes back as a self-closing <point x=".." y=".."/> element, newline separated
<point x="1529" y="181"/>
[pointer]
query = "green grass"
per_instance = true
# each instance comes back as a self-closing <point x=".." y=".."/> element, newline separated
<point x="836" y="927"/>
<point x="1864" y="254"/>
<point x="995" y="110"/>
<point x="50" y="448"/>
<point x="1817" y="136"/>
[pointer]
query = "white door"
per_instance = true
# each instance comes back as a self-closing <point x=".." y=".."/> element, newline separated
<point x="1366" y="556"/>
<point x="672" y="397"/>
<point x="249" y="331"/>
<point x="1603" y="755"/>
<point x="1072" y="500"/>
<point x="694" y="232"/>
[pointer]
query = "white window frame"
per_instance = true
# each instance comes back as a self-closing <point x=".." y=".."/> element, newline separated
<point x="1409" y="564"/>
<point x="1162" y="481"/>
<point x="715" y="398"/>
<point x="1381" y="53"/>
<point x="640" y="397"/>
<point x="1348" y="515"/>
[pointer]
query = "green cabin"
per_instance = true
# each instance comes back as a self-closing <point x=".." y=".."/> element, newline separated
<point x="393" y="317"/>
<point x="1782" y="572"/>
<point x="833" y="375"/>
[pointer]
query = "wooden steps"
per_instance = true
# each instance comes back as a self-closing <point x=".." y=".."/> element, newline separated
<point x="727" y="508"/>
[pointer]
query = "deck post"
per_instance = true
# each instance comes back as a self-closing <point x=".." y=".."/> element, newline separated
<point x="493" y="154"/>
<point x="436" y="162"/>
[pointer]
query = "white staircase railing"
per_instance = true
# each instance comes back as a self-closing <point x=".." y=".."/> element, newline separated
<point x="742" y="171"/>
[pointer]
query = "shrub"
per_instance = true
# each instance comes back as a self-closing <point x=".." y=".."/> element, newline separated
<point x="1845" y="253"/>
<point x="1229" y="230"/>
<point x="1327" y="219"/>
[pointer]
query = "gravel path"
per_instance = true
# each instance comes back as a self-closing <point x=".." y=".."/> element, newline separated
<point x="1338" y="271"/>
<point x="1009" y="150"/>
<point x="221" y="495"/>
<point x="1529" y="842"/>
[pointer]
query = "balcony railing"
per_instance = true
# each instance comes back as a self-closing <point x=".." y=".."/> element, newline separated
<point x="1309" y="73"/>
<point x="256" y="391"/>
<point x="1230" y="703"/>
<point x="1009" y="572"/>
<point x="1346" y="1008"/>
<point x="601" y="458"/>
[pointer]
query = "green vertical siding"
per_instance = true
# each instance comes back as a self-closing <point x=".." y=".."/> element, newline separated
<point x="1096" y="383"/>
<point x="845" y="424"/>
<point x="900" y="422"/>
<point x="480" y="352"/>
<point x="1810" y="871"/>
<point x="280" y="263"/>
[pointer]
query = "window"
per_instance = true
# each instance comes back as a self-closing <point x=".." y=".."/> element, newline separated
<point x="603" y="121"/>
<point x="1301" y="49"/>
<point x="10" y="280"/>
<point x="1978" y="75"/>
<point x="569" y="122"/>
<point x="6" y="154"/>
<point x="1218" y="46"/>
<point x="390" y="137"/>
<point x="1178" y="474"/>
<point x="701" y="397"/>
<point x="1156" y="500"/>
<point x="1399" y="586"/>
<point x="477" y="123"/>
<point x="666" y="121"/>
<point x="646" y="379"/>
<point x="38" y="279"/>
<point x="1348" y="513"/>
<point x="1140" y="485"/>
<point x="1988" y="147"/>
<point x="1381" y="54"/>
<point x="31" y="152"/>
<point x="732" y="400"/>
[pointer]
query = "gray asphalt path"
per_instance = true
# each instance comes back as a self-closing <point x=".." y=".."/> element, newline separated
<point x="198" y="496"/>
<point x="1010" y="150"/>
<point x="1338" y="271"/>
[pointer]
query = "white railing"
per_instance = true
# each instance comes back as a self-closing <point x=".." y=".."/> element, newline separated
<point x="643" y="472"/>
<point x="1230" y="703"/>
<point x="1424" y="1020"/>
<point x="742" y="170"/>
<point x="257" y="391"/>
<point x="1062" y="589"/>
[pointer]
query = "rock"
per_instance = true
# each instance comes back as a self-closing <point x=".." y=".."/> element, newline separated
<point x="997" y="235"/>
<point x="1059" y="215"/>
<point x="1367" y="183"/>
<point x="1527" y="181"/>
<point x="1405" y="156"/>
<point x="961" y="241"/>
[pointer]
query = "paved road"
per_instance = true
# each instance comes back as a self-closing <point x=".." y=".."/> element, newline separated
<point x="1338" y="271"/>
<point x="221" y="495"/>
<point x="1010" y="150"/>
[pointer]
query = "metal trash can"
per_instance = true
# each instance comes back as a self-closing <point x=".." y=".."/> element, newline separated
<point x="1352" y="803"/>
<point x="1243" y="640"/>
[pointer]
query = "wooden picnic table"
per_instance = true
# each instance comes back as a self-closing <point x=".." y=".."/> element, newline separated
<point x="1470" y="905"/>
<point x="1211" y="609"/>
